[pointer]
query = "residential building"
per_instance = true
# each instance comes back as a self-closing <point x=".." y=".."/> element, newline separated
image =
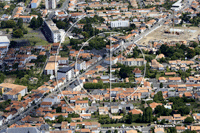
<point x="80" y="65"/>
<point x="13" y="91"/>
<point x="35" y="3"/>
<point x="66" y="72"/>
<point x="52" y="33"/>
<point x="134" y="62"/>
<point x="117" y="24"/>
<point x="50" y="4"/>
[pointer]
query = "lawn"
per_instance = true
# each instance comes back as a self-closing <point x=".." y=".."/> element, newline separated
<point x="120" y="124"/>
<point x="33" y="39"/>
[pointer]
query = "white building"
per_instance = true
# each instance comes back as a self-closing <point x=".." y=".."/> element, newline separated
<point x="50" y="4"/>
<point x="50" y="68"/>
<point x="52" y="33"/>
<point x="177" y="5"/>
<point x="133" y="62"/>
<point x="4" y="44"/>
<point x="66" y="72"/>
<point x="112" y="61"/>
<point x="80" y="65"/>
<point x="117" y="24"/>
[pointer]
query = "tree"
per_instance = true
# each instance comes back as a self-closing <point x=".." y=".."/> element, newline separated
<point x="20" y="23"/>
<point x="10" y="24"/>
<point x="7" y="31"/>
<point x="171" y="130"/>
<point x="158" y="97"/>
<point x="60" y="118"/>
<point x="161" y="85"/>
<point x="124" y="72"/>
<point x="147" y="115"/>
<point x="3" y="24"/>
<point x="189" y="120"/>
<point x="188" y="131"/>
<point x="58" y="110"/>
<point x="18" y="33"/>
<point x="115" y="131"/>
<point x="33" y="23"/>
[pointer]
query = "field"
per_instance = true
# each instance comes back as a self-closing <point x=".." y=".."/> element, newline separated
<point x="190" y="33"/>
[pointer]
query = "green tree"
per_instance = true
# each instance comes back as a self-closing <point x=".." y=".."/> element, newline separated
<point x="18" y="33"/>
<point x="20" y="23"/>
<point x="189" y="120"/>
<point x="7" y="31"/>
<point x="60" y="118"/>
<point x="3" y="24"/>
<point x="33" y="23"/>
<point x="158" y="97"/>
<point x="161" y="85"/>
<point x="10" y="24"/>
<point x="171" y="130"/>
<point x="147" y="115"/>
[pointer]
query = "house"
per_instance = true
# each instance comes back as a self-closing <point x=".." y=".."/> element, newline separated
<point x="159" y="130"/>
<point x="103" y="110"/>
<point x="82" y="103"/>
<point x="114" y="109"/>
<point x="13" y="91"/>
<point x="136" y="111"/>
<point x="54" y="116"/>
<point x="112" y="61"/>
<point x="166" y="118"/>
<point x="174" y="79"/>
<point x="4" y="43"/>
<point x="50" y="68"/>
<point x="85" y="116"/>
<point x="180" y="129"/>
<point x="131" y="131"/>
<point x="154" y="105"/>
<point x="156" y="65"/>
<point x="137" y="72"/>
<point x="162" y="79"/>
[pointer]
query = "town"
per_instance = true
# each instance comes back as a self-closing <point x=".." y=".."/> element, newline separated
<point x="99" y="66"/>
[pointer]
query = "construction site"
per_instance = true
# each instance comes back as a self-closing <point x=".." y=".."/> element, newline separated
<point x="168" y="33"/>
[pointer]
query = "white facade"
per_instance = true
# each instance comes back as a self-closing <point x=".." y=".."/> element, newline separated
<point x="117" y="24"/>
<point x="50" y="4"/>
<point x="177" y="6"/>
<point x="80" y="65"/>
<point x="54" y="34"/>
<point x="67" y="73"/>
<point x="133" y="62"/>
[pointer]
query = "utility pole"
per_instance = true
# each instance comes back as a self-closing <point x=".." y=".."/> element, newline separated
<point x="110" y="67"/>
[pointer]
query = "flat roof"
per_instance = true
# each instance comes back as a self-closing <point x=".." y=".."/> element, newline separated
<point x="4" y="39"/>
<point x="65" y="69"/>
<point x="50" y="66"/>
